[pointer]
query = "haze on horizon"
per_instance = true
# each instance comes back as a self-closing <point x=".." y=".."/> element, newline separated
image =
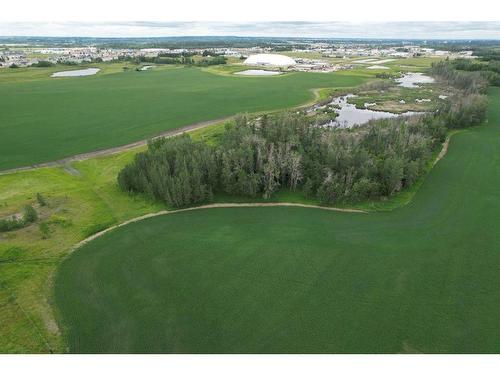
<point x="335" y="29"/>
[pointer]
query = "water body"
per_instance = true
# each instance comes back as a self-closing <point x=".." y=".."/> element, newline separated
<point x="76" y="73"/>
<point x="147" y="67"/>
<point x="365" y="61"/>
<point x="376" y="67"/>
<point x="348" y="115"/>
<point x="258" y="72"/>
<point x="413" y="80"/>
<point x="385" y="61"/>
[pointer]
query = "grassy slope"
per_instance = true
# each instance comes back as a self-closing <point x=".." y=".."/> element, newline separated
<point x="422" y="278"/>
<point x="44" y="119"/>
<point x="79" y="203"/>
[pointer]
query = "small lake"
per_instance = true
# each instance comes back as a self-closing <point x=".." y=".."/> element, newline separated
<point x="376" y="67"/>
<point x="413" y="80"/>
<point x="257" y="72"/>
<point x="348" y="115"/>
<point x="76" y="73"/>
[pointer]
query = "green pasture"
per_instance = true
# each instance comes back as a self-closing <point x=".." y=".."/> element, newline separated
<point x="421" y="278"/>
<point x="44" y="119"/>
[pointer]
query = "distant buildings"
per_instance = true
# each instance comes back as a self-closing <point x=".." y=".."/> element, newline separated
<point x="24" y="55"/>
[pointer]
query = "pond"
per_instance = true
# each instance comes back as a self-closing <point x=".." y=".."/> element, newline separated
<point x="258" y="72"/>
<point x="377" y="67"/>
<point x="412" y="80"/>
<point x="76" y="73"/>
<point x="348" y="115"/>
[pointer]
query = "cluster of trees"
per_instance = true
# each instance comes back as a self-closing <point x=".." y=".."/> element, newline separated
<point x="182" y="59"/>
<point x="42" y="64"/>
<point x="489" y="69"/>
<point x="176" y="54"/>
<point x="385" y="75"/>
<point x="487" y="53"/>
<point x="175" y="170"/>
<point x="217" y="60"/>
<point x="291" y="151"/>
<point x="464" y="111"/>
<point x="67" y="62"/>
<point x="207" y="53"/>
<point x="29" y="216"/>
<point x="257" y="158"/>
<point x="468" y="82"/>
<point x="468" y="107"/>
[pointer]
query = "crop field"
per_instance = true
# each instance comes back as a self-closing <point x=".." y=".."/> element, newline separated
<point x="44" y="119"/>
<point x="421" y="278"/>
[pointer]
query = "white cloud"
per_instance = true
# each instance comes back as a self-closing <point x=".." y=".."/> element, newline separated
<point x="255" y="10"/>
<point x="409" y="30"/>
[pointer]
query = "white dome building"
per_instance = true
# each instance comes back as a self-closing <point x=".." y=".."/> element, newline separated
<point x="270" y="60"/>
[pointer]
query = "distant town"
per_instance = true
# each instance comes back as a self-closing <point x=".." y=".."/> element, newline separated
<point x="309" y="56"/>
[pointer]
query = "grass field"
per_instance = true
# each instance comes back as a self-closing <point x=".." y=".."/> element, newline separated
<point x="44" y="119"/>
<point x="82" y="198"/>
<point x="422" y="278"/>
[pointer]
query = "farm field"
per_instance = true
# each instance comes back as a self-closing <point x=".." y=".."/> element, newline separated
<point x="421" y="278"/>
<point x="44" y="119"/>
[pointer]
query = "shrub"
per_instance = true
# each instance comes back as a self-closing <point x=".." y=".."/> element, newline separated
<point x="40" y="199"/>
<point x="42" y="64"/>
<point x="45" y="230"/>
<point x="7" y="225"/>
<point x="30" y="215"/>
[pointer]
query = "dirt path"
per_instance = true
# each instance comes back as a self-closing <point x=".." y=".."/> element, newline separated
<point x="208" y="206"/>
<point x="130" y="146"/>
<point x="114" y="150"/>
<point x="443" y="151"/>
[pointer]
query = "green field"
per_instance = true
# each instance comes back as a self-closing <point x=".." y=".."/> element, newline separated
<point x="422" y="278"/>
<point x="44" y="119"/>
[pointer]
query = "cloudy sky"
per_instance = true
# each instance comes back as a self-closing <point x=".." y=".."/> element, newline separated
<point x="409" y="30"/>
<point x="319" y="18"/>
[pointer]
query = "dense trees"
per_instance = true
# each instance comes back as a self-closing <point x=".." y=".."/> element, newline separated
<point x="468" y="82"/>
<point x="217" y="60"/>
<point x="168" y="60"/>
<point x="468" y="106"/>
<point x="465" y="111"/>
<point x="291" y="151"/>
<point x="29" y="216"/>
<point x="489" y="69"/>
<point x="257" y="158"/>
<point x="182" y="59"/>
<point x="177" y="171"/>
<point x="42" y="64"/>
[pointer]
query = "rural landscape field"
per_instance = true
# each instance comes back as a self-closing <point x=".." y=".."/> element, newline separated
<point x="249" y="195"/>
<point x="303" y="279"/>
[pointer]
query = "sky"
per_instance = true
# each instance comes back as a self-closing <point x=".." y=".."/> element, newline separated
<point x="333" y="29"/>
<point x="425" y="19"/>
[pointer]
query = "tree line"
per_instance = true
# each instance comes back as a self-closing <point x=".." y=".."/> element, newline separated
<point x="182" y="60"/>
<point x="257" y="158"/>
<point x="29" y="216"/>
<point x="489" y="69"/>
<point x="291" y="151"/>
<point x="467" y="107"/>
